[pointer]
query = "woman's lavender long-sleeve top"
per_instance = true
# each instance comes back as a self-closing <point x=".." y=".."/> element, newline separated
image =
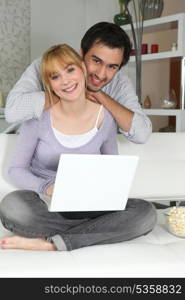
<point x="36" y="156"/>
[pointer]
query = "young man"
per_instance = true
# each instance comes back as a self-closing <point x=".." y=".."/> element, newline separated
<point x="105" y="48"/>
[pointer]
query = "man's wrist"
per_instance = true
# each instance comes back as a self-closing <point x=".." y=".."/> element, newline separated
<point x="101" y="97"/>
<point x="121" y="114"/>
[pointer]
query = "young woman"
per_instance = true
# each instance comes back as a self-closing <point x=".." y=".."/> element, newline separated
<point x="72" y="125"/>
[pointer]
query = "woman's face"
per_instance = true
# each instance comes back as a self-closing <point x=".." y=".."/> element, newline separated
<point x="68" y="82"/>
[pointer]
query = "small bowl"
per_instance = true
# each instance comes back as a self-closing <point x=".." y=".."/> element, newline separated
<point x="168" y="104"/>
<point x="175" y="221"/>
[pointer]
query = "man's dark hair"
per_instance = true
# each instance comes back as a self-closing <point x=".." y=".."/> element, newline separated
<point x="110" y="35"/>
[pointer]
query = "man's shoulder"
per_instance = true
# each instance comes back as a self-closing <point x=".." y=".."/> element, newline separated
<point x="36" y="64"/>
<point x="120" y="84"/>
<point x="37" y="61"/>
<point x="120" y="80"/>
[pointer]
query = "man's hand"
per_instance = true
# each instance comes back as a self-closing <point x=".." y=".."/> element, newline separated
<point x="48" y="103"/>
<point x="93" y="96"/>
<point x="49" y="191"/>
<point x="121" y="114"/>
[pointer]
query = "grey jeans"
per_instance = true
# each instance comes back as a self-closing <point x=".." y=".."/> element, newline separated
<point x="25" y="214"/>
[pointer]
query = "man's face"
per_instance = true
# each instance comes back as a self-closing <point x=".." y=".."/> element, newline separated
<point x="102" y="63"/>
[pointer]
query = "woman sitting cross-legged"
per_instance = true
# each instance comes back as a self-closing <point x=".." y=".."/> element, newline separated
<point x="73" y="125"/>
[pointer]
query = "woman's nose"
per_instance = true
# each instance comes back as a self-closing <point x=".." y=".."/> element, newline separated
<point x="64" y="80"/>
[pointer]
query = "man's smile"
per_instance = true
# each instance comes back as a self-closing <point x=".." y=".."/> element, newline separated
<point x="96" y="81"/>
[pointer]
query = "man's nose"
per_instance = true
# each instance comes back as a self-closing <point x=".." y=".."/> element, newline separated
<point x="101" y="72"/>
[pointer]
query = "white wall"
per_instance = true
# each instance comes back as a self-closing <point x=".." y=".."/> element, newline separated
<point x="173" y="7"/>
<point x="56" y="21"/>
<point x="65" y="21"/>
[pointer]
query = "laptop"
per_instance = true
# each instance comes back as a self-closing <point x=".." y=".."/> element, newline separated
<point x="88" y="182"/>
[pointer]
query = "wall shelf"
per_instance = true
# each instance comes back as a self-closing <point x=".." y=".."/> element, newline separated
<point x="162" y="26"/>
<point x="159" y="55"/>
<point x="176" y="21"/>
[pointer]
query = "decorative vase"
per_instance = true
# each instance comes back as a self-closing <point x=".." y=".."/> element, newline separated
<point x="152" y="8"/>
<point x="147" y="102"/>
<point x="123" y="17"/>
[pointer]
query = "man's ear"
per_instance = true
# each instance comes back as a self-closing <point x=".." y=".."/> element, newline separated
<point x="84" y="69"/>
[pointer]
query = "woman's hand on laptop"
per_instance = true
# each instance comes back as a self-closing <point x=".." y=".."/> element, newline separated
<point x="49" y="190"/>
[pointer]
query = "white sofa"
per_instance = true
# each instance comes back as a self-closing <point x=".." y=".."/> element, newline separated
<point x="159" y="176"/>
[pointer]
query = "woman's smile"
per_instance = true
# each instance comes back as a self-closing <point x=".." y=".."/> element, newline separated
<point x="70" y="89"/>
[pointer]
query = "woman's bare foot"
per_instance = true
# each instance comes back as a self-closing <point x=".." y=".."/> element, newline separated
<point x="19" y="242"/>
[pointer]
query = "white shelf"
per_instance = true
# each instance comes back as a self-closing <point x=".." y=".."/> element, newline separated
<point x="159" y="55"/>
<point x="163" y="112"/>
<point x="176" y="21"/>
<point x="155" y="25"/>
<point x="168" y="20"/>
<point x="161" y="25"/>
<point x="178" y="113"/>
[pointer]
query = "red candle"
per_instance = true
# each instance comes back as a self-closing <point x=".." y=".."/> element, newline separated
<point x="133" y="52"/>
<point x="144" y="48"/>
<point x="154" y="48"/>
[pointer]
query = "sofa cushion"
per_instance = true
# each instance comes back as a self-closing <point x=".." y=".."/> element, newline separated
<point x="157" y="254"/>
<point x="161" y="169"/>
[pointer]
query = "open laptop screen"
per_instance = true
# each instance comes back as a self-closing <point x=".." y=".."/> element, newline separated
<point x="93" y="182"/>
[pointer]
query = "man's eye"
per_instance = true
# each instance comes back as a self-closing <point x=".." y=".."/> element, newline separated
<point x="97" y="61"/>
<point x="113" y="67"/>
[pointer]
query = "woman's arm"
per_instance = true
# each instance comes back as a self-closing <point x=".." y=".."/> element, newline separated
<point x="19" y="171"/>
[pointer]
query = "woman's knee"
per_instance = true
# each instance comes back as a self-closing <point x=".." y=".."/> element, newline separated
<point x="150" y="214"/>
<point x="145" y="210"/>
<point x="15" y="205"/>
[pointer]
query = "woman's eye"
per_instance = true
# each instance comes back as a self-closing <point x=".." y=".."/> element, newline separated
<point x="70" y="69"/>
<point x="54" y="77"/>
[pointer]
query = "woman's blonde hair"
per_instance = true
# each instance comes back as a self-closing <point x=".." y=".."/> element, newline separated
<point x="54" y="58"/>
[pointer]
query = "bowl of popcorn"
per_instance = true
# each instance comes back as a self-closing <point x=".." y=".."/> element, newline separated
<point x="175" y="220"/>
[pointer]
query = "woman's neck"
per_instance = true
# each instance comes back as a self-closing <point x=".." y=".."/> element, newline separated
<point x="75" y="117"/>
<point x="73" y="108"/>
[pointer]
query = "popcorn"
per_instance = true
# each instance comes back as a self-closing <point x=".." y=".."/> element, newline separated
<point x="175" y="220"/>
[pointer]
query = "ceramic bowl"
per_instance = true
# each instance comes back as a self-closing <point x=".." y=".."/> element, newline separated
<point x="175" y="221"/>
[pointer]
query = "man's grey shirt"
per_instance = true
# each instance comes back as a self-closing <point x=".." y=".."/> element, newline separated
<point x="27" y="98"/>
